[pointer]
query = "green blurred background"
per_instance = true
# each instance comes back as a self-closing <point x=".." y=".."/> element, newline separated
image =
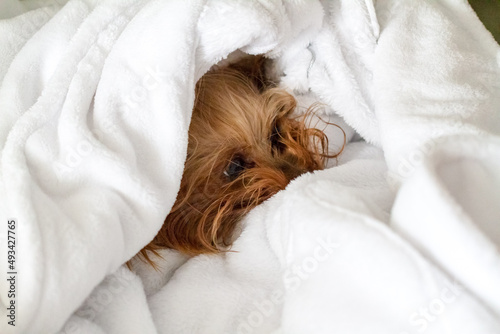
<point x="488" y="12"/>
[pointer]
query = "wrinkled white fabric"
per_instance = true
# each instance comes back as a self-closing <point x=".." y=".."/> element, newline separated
<point x="400" y="236"/>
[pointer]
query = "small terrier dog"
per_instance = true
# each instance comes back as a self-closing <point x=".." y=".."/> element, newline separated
<point x="244" y="146"/>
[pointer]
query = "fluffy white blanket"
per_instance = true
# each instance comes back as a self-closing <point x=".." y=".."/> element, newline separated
<point x="402" y="236"/>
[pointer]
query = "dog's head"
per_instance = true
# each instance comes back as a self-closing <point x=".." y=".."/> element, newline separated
<point x="244" y="146"/>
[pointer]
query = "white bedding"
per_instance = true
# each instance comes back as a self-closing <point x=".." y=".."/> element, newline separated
<point x="401" y="236"/>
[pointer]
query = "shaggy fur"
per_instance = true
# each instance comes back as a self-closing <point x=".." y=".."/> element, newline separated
<point x="244" y="147"/>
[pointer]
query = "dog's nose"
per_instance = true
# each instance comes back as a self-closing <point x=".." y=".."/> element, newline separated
<point x="291" y="171"/>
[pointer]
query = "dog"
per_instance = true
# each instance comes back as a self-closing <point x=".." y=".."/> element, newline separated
<point x="244" y="146"/>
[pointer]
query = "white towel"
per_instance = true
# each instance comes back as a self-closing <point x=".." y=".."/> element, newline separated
<point x="95" y="102"/>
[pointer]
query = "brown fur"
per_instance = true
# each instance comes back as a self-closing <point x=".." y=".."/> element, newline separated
<point x="244" y="147"/>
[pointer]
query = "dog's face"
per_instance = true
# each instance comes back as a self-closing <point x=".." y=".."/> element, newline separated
<point x="243" y="148"/>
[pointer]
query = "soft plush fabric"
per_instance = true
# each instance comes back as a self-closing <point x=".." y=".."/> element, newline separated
<point x="400" y="235"/>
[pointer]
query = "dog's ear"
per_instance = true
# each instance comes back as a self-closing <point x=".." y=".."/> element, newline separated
<point x="254" y="68"/>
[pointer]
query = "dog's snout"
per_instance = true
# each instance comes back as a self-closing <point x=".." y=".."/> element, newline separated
<point x="291" y="171"/>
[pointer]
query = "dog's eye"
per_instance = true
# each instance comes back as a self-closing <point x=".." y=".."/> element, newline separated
<point x="235" y="167"/>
